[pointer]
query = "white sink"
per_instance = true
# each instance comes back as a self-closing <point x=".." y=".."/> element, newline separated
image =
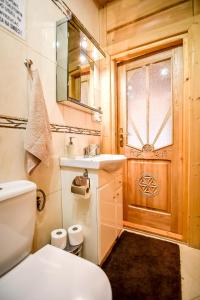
<point x="107" y="162"/>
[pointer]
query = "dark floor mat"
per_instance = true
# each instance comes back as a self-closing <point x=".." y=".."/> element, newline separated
<point x="144" y="268"/>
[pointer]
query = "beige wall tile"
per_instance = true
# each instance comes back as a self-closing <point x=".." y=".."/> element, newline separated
<point x="48" y="220"/>
<point x="74" y="117"/>
<point x="12" y="154"/>
<point x="47" y="178"/>
<point x="78" y="118"/>
<point x="47" y="72"/>
<point x="13" y="76"/>
<point x="92" y="124"/>
<point x="58" y="140"/>
<point x="82" y="141"/>
<point x="41" y="27"/>
<point x="106" y="146"/>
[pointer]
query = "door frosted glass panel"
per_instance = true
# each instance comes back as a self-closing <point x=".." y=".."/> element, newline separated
<point x="133" y="140"/>
<point x="160" y="98"/>
<point x="136" y="101"/>
<point x="149" y="101"/>
<point x="165" y="137"/>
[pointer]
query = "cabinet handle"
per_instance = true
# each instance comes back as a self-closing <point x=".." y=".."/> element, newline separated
<point x="117" y="194"/>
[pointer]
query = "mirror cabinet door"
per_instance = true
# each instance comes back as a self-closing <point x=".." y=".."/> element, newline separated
<point x="78" y="66"/>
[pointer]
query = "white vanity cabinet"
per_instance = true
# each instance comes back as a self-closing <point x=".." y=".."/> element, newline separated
<point x="101" y="215"/>
<point x="110" y="213"/>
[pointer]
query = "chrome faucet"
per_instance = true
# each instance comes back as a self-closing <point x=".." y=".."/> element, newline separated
<point x="91" y="150"/>
<point x="86" y="151"/>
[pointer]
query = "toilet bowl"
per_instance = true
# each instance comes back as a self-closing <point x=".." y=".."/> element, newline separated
<point x="49" y="273"/>
<point x="52" y="274"/>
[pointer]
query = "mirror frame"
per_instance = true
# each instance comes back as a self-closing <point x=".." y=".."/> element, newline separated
<point x="64" y="24"/>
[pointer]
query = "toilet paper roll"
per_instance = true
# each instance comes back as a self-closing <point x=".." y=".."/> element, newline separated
<point x="59" y="238"/>
<point x="75" y="235"/>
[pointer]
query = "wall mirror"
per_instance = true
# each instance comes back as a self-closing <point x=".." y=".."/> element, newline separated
<point x="79" y="60"/>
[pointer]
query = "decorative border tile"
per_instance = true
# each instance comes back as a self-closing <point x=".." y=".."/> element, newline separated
<point x="20" y="123"/>
<point x="12" y="122"/>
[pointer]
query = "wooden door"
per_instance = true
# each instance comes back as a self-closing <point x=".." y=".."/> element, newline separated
<point x="150" y="135"/>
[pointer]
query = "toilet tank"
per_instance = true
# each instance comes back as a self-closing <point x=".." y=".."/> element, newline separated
<point x="17" y="222"/>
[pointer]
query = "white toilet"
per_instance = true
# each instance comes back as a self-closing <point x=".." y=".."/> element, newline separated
<point x="50" y="273"/>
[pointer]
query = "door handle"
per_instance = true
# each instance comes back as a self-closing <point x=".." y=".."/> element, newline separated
<point x="121" y="138"/>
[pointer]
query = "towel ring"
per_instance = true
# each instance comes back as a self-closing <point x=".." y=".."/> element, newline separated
<point x="41" y="199"/>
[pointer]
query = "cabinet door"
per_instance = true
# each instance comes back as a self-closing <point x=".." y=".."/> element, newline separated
<point x="119" y="210"/>
<point x="107" y="218"/>
<point x="107" y="239"/>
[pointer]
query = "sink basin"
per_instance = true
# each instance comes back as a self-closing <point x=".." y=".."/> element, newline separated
<point x="106" y="162"/>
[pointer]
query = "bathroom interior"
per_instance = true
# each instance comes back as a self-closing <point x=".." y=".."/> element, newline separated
<point x="88" y="161"/>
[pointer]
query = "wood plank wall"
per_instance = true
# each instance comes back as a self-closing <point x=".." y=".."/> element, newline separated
<point x="194" y="141"/>
<point x="132" y="25"/>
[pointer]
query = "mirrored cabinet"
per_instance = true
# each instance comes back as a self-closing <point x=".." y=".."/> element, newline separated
<point x="79" y="62"/>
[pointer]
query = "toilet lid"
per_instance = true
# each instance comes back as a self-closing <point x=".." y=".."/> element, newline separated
<point x="52" y="273"/>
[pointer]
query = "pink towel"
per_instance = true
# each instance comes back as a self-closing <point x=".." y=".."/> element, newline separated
<point x="38" y="134"/>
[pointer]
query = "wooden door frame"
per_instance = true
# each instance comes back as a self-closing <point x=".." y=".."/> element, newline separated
<point x="138" y="52"/>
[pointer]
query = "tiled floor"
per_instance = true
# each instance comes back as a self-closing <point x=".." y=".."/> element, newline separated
<point x="190" y="270"/>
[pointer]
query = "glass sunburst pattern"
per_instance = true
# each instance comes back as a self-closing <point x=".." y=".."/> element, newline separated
<point x="149" y="99"/>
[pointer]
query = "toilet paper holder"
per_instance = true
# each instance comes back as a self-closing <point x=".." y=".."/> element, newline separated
<point x="85" y="174"/>
<point x="81" y="184"/>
